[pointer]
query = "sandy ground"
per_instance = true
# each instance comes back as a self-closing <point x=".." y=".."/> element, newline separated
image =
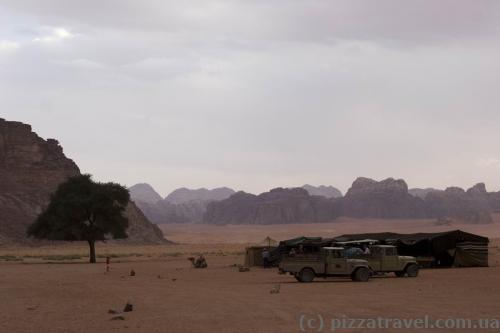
<point x="206" y="234"/>
<point x="168" y="295"/>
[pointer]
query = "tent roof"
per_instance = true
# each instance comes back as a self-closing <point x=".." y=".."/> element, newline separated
<point x="300" y="240"/>
<point x="414" y="238"/>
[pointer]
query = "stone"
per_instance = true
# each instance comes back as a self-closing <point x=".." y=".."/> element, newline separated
<point x="128" y="307"/>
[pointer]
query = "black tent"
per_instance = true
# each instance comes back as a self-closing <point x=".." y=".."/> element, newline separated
<point x="442" y="249"/>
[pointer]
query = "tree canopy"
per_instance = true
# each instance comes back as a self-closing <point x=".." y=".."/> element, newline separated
<point x="84" y="210"/>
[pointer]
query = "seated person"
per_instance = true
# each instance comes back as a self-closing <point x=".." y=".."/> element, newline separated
<point x="353" y="252"/>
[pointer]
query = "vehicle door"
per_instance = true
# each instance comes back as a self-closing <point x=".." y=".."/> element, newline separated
<point x="390" y="260"/>
<point x="375" y="258"/>
<point x="336" y="262"/>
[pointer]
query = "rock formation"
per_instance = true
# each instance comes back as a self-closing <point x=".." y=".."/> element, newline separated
<point x="385" y="199"/>
<point x="471" y="206"/>
<point x="145" y="193"/>
<point x="324" y="191"/>
<point x="181" y="206"/>
<point x="185" y="195"/>
<point x="421" y="192"/>
<point x="367" y="198"/>
<point x="31" y="168"/>
<point x="278" y="206"/>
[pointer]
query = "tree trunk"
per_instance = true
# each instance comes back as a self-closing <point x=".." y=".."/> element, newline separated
<point x="92" y="251"/>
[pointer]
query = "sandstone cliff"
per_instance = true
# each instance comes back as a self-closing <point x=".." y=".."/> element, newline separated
<point x="385" y="199"/>
<point x="31" y="168"/>
<point x="367" y="198"/>
<point x="278" y="206"/>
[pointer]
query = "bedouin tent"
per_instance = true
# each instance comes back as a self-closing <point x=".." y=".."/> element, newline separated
<point x="309" y="245"/>
<point x="445" y="249"/>
<point x="253" y="254"/>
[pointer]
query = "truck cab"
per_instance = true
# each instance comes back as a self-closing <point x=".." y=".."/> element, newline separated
<point x="329" y="262"/>
<point x="385" y="259"/>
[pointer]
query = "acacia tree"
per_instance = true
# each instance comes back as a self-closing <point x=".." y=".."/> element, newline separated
<point x="84" y="210"/>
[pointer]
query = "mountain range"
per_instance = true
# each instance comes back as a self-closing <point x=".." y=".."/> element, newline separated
<point x="190" y="205"/>
<point x="367" y="198"/>
<point x="181" y="206"/>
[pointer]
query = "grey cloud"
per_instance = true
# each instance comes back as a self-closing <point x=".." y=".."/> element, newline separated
<point x="263" y="93"/>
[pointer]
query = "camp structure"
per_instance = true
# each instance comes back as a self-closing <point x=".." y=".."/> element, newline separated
<point x="306" y="244"/>
<point x="253" y="253"/>
<point x="443" y="249"/>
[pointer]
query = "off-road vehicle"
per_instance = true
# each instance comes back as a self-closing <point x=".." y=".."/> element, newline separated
<point x="329" y="262"/>
<point x="385" y="259"/>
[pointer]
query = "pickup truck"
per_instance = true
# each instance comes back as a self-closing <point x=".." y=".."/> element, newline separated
<point x="385" y="259"/>
<point x="329" y="262"/>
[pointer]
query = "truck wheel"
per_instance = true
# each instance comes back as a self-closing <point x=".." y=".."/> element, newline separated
<point x="306" y="275"/>
<point x="412" y="270"/>
<point x="400" y="273"/>
<point x="362" y="274"/>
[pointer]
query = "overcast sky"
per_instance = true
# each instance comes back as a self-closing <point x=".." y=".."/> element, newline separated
<point x="259" y="94"/>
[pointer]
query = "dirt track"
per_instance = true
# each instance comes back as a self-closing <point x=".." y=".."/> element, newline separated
<point x="77" y="297"/>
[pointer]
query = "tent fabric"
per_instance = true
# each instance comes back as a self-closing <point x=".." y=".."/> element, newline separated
<point x="445" y="247"/>
<point x="470" y="254"/>
<point x="253" y="255"/>
<point x="300" y="240"/>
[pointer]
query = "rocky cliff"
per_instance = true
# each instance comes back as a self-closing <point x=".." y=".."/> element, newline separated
<point x="388" y="198"/>
<point x="181" y="206"/>
<point x="278" y="206"/>
<point x="472" y="206"/>
<point x="367" y="198"/>
<point x="31" y="168"/>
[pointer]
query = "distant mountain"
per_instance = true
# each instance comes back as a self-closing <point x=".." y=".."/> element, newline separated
<point x="367" y="198"/>
<point x="184" y="195"/>
<point x="278" y="206"/>
<point x="324" y="191"/>
<point x="145" y="193"/>
<point x="388" y="198"/>
<point x="181" y="206"/>
<point x="421" y="192"/>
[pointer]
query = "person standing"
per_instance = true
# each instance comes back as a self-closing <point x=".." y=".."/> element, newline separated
<point x="266" y="258"/>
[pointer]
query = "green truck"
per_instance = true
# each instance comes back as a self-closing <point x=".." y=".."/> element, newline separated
<point x="385" y="259"/>
<point x="329" y="262"/>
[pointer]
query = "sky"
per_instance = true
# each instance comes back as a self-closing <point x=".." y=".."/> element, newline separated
<point x="259" y="94"/>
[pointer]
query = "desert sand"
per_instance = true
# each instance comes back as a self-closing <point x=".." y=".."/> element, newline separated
<point x="52" y="288"/>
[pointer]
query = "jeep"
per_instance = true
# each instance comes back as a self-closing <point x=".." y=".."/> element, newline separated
<point x="329" y="262"/>
<point x="385" y="259"/>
